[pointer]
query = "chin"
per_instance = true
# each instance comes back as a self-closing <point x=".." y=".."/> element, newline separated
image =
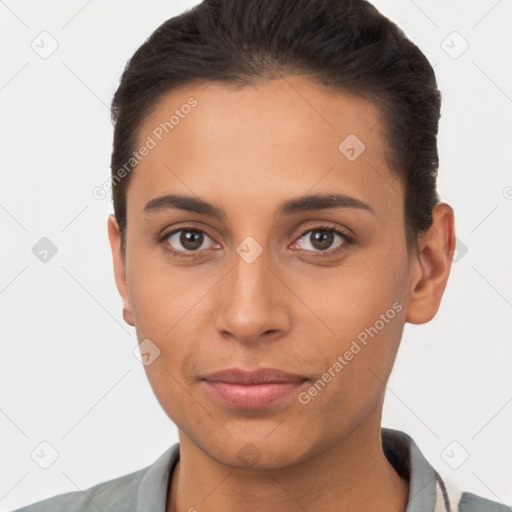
<point x="255" y="451"/>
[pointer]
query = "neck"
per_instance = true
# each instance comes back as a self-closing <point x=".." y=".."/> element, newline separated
<point x="353" y="474"/>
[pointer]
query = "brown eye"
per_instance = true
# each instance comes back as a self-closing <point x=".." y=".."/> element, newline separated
<point x="323" y="239"/>
<point x="187" y="240"/>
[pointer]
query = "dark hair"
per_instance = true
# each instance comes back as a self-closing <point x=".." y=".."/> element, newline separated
<point x="347" y="44"/>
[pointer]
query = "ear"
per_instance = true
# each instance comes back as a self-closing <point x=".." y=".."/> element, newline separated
<point x="431" y="266"/>
<point x="114" y="236"/>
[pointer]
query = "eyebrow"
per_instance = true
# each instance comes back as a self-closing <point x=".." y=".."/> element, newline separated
<point x="294" y="205"/>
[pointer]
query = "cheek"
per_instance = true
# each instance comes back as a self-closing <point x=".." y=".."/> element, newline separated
<point x="167" y="312"/>
<point x="365" y="314"/>
<point x="352" y="373"/>
<point x="164" y="298"/>
<point x="172" y="308"/>
<point x="355" y="297"/>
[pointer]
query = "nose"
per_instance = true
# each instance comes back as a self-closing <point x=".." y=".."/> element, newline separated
<point x="253" y="302"/>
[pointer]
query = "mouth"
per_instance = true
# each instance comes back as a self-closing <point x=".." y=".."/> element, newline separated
<point x="252" y="389"/>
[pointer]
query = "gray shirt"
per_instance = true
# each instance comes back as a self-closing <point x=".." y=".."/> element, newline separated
<point x="146" y="490"/>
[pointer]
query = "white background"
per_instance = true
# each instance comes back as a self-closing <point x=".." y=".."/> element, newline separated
<point x="68" y="373"/>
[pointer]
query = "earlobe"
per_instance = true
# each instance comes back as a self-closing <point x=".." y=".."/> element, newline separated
<point x="114" y="236"/>
<point x="432" y="264"/>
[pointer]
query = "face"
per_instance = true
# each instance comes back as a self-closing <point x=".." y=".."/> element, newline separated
<point x="264" y="277"/>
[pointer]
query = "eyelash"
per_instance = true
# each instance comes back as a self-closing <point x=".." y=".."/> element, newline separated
<point x="347" y="241"/>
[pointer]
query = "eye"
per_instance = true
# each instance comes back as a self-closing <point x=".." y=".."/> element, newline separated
<point x="321" y="239"/>
<point x="191" y="240"/>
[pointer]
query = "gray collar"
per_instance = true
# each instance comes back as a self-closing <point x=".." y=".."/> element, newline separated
<point x="152" y="493"/>
<point x="405" y="456"/>
<point x="400" y="449"/>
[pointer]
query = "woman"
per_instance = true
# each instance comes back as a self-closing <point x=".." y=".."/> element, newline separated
<point x="276" y="224"/>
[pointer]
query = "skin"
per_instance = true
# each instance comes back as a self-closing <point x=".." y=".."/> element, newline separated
<point x="247" y="151"/>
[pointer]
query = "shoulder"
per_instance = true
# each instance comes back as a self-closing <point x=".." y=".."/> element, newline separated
<point x="428" y="489"/>
<point x="146" y="488"/>
<point x="116" y="494"/>
<point x="470" y="502"/>
<point x="466" y="501"/>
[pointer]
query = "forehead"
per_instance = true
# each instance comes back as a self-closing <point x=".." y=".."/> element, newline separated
<point x="284" y="136"/>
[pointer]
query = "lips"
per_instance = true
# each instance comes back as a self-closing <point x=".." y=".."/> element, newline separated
<point x="252" y="389"/>
<point x="260" y="376"/>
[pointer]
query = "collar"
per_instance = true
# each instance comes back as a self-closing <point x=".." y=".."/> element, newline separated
<point x="427" y="491"/>
<point x="425" y="484"/>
